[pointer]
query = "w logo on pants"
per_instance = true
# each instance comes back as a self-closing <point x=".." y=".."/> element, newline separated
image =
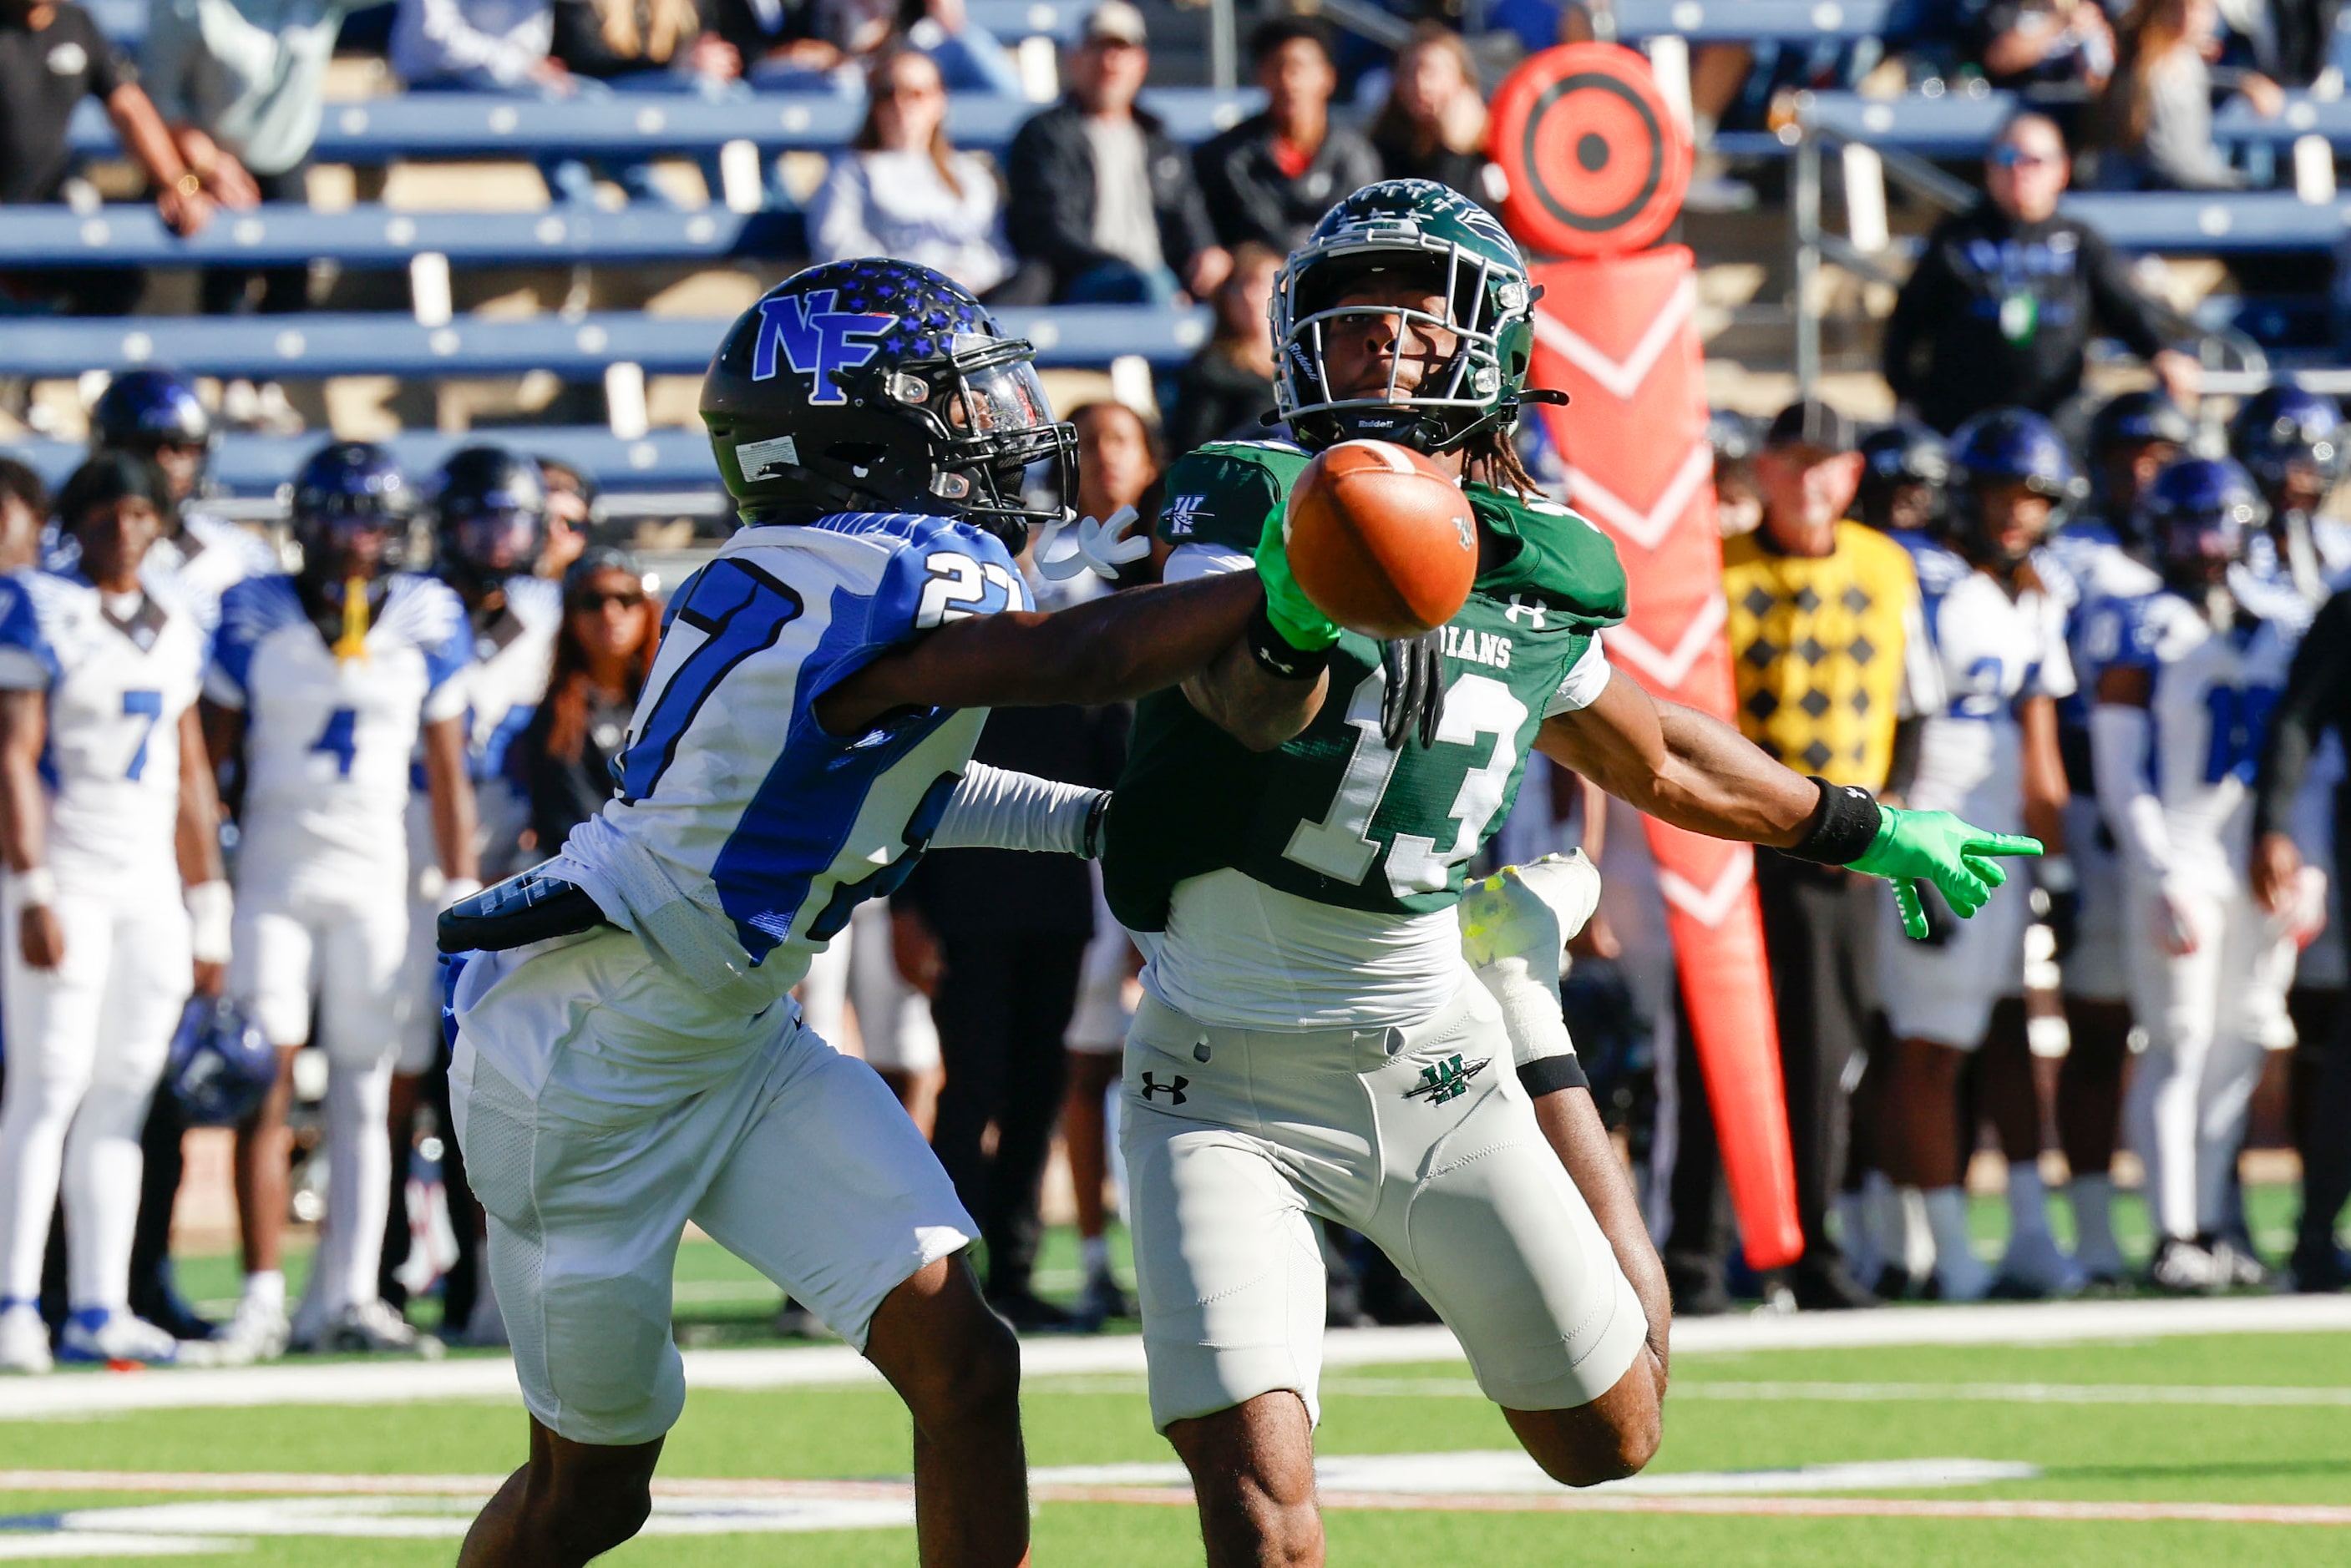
<point x="1448" y="1080"/>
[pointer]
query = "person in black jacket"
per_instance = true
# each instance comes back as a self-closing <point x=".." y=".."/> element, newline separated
<point x="2318" y="697"/>
<point x="562" y="762"/>
<point x="1103" y="207"/>
<point x="2002" y="304"/>
<point x="1271" y="177"/>
<point x="1226" y="390"/>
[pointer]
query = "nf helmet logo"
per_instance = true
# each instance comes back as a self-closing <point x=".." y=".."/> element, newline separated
<point x="817" y="340"/>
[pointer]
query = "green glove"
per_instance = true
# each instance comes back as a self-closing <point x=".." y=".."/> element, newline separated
<point x="1952" y="854"/>
<point x="1301" y="624"/>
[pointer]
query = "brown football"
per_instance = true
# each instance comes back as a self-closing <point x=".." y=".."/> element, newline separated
<point x="1381" y="539"/>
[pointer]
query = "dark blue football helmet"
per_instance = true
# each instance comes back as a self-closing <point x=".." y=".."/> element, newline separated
<point x="2283" y="426"/>
<point x="1735" y="437"/>
<point x="489" y="515"/>
<point x="1897" y="456"/>
<point x="2200" y="511"/>
<point x="142" y="410"/>
<point x="2122" y="427"/>
<point x="2006" y="446"/>
<point x="349" y="493"/>
<point x="881" y="385"/>
<point x="221" y="1064"/>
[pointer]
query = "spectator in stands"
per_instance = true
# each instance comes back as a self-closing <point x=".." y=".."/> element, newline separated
<point x="570" y="505"/>
<point x="243" y="83"/>
<point x="2034" y="43"/>
<point x="771" y="37"/>
<point x="52" y="56"/>
<point x="641" y="44"/>
<point x="1433" y="126"/>
<point x="1103" y="205"/>
<point x="828" y="43"/>
<point x="1827" y="643"/>
<point x="493" y="46"/>
<point x="2157" y="119"/>
<point x="1271" y="177"/>
<point x="904" y="190"/>
<point x="2001" y="307"/>
<point x="1227" y="388"/>
<point x="24" y="507"/>
<point x="611" y="628"/>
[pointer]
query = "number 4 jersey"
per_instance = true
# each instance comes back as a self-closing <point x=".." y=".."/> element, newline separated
<point x="1313" y="885"/>
<point x="327" y="735"/>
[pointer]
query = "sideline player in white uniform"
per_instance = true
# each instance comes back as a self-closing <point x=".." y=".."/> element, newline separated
<point x="1992" y="757"/>
<point x="2132" y="437"/>
<point x="489" y="526"/>
<point x="2183" y="705"/>
<point x="319" y="682"/>
<point x="819" y="691"/>
<point x="107" y="815"/>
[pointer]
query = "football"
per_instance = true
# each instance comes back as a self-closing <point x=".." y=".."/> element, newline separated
<point x="1381" y="539"/>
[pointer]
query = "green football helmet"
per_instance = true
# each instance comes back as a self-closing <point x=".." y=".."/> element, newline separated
<point x="1405" y="231"/>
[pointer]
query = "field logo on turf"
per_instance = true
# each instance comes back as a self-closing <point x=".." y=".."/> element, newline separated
<point x="1448" y="1080"/>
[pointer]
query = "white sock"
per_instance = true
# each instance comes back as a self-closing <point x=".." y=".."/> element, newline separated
<point x="267" y="1287"/>
<point x="359" y="1181"/>
<point x="2028" y="1200"/>
<point x="1094" y="1252"/>
<point x="1946" y="1217"/>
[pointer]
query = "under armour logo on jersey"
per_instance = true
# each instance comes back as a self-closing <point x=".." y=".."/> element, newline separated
<point x="818" y="341"/>
<point x="1534" y="613"/>
<point x="1174" y="1091"/>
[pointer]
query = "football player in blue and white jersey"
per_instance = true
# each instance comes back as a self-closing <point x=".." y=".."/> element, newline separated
<point x="622" y="1063"/>
<point x="2294" y="443"/>
<point x="321" y="683"/>
<point x="1904" y="470"/>
<point x="489" y="523"/>
<point x="157" y="413"/>
<point x="106" y="818"/>
<point x="1991" y="757"/>
<point x="2096" y="557"/>
<point x="2182" y="706"/>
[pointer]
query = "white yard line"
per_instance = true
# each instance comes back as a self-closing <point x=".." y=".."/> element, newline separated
<point x="483" y="1378"/>
<point x="2242" y="1395"/>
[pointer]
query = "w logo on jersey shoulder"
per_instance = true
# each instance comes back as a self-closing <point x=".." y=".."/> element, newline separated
<point x="817" y="340"/>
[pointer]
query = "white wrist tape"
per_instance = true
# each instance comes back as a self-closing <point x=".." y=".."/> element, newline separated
<point x="212" y="913"/>
<point x="36" y="887"/>
<point x="455" y="888"/>
<point x="995" y="808"/>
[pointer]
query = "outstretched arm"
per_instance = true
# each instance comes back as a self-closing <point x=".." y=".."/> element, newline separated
<point x="1680" y="766"/>
<point x="1109" y="650"/>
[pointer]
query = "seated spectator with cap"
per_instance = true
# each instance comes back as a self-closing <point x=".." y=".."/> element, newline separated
<point x="52" y="56"/>
<point x="2001" y="307"/>
<point x="1102" y="206"/>
<point x="1271" y="177"/>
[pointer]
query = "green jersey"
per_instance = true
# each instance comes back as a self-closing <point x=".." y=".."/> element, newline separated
<point x="1334" y="816"/>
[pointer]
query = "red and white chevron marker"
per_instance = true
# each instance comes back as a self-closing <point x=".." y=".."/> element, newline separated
<point x="1616" y="334"/>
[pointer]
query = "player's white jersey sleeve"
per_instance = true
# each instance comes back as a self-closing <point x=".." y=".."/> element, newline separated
<point x="327" y="739"/>
<point x="503" y="687"/>
<point x="1992" y="652"/>
<point x="743" y="834"/>
<point x="117" y="683"/>
<point x="211" y="555"/>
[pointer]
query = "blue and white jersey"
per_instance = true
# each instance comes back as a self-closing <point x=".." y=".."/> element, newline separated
<point x="2213" y="695"/>
<point x="503" y="687"/>
<point x="117" y="678"/>
<point x="744" y="833"/>
<point x="210" y="555"/>
<point x="327" y="739"/>
<point x="1994" y="651"/>
<point x="2083" y="565"/>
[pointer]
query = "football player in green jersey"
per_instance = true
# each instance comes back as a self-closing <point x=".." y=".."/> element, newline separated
<point x="1288" y="844"/>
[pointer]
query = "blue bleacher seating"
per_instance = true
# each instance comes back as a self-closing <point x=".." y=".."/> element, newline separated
<point x="1958" y="124"/>
<point x="255" y="465"/>
<point x="375" y="236"/>
<point x="126" y="21"/>
<point x="489" y="125"/>
<point x="1791" y="21"/>
<point x="576" y="348"/>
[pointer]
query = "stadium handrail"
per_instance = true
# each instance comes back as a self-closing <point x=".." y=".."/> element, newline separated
<point x="450" y="125"/>
<point x="282" y="234"/>
<point x="1958" y="124"/>
<point x="1729" y="21"/>
<point x="577" y="349"/>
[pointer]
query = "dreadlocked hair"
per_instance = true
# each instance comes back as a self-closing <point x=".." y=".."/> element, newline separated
<point x="1493" y="460"/>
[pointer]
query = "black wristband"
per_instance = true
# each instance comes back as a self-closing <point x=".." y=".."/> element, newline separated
<point x="1549" y="1074"/>
<point x="1275" y="654"/>
<point x="1843" y="828"/>
<point x="1095" y="814"/>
